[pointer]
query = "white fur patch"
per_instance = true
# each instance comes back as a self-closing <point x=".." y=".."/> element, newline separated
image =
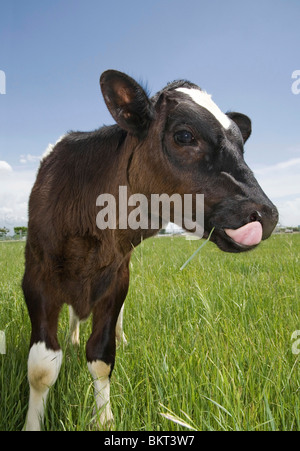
<point x="203" y="99"/>
<point x="100" y="372"/>
<point x="51" y="147"/>
<point x="43" y="369"/>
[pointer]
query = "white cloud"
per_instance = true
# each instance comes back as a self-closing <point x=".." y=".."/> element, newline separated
<point x="24" y="159"/>
<point x="281" y="182"/>
<point x="289" y="211"/>
<point x="282" y="165"/>
<point x="15" y="188"/>
<point x="5" y="167"/>
<point x="33" y="159"/>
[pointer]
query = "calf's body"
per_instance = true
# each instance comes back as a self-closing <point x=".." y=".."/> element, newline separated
<point x="177" y="142"/>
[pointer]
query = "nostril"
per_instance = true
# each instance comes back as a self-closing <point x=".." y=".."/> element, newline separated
<point x="255" y="216"/>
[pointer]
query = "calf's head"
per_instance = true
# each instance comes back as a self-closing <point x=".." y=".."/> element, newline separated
<point x="184" y="144"/>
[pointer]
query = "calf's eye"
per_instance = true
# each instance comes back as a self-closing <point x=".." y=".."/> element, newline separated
<point x="184" y="137"/>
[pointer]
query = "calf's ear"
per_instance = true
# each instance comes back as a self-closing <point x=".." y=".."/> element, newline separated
<point x="127" y="102"/>
<point x="243" y="122"/>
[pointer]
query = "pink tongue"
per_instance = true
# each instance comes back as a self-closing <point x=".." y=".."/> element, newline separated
<point x="248" y="235"/>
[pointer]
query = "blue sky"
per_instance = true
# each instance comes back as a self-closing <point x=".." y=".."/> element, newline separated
<point x="52" y="54"/>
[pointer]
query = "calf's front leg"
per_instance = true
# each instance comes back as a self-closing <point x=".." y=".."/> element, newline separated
<point x="45" y="356"/>
<point x="101" y="346"/>
<point x="100" y="353"/>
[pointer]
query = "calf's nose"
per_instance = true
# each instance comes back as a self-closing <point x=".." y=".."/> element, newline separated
<point x="255" y="216"/>
<point x="267" y="216"/>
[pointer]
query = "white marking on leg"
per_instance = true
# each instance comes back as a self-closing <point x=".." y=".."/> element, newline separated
<point x="203" y="99"/>
<point x="120" y="336"/>
<point x="74" y="326"/>
<point x="100" y="372"/>
<point x="43" y="369"/>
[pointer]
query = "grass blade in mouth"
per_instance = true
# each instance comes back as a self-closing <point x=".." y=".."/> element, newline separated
<point x="196" y="252"/>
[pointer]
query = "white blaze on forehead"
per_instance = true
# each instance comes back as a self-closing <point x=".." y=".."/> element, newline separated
<point x="203" y="99"/>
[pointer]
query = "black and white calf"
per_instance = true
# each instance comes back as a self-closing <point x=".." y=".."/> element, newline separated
<point x="178" y="142"/>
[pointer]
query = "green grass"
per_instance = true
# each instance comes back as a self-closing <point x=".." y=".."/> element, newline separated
<point x="210" y="345"/>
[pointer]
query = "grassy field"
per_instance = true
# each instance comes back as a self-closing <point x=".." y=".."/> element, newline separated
<point x="210" y="345"/>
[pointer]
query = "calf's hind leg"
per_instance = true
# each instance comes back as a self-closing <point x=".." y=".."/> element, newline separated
<point x="74" y="326"/>
<point x="45" y="356"/>
<point x="120" y="336"/>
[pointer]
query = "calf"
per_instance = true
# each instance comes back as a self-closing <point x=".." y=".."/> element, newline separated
<point x="177" y="142"/>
